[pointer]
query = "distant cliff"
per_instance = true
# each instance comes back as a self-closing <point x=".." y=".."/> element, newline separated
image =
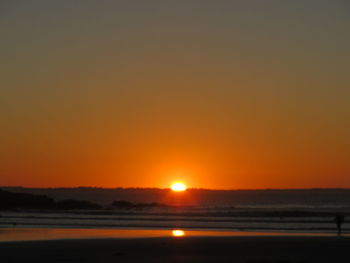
<point x="10" y="200"/>
<point x="273" y="197"/>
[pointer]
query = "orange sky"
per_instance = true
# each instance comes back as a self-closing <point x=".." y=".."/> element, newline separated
<point x="218" y="94"/>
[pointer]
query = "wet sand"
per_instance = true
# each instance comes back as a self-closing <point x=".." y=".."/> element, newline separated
<point x="36" y="234"/>
<point x="246" y="249"/>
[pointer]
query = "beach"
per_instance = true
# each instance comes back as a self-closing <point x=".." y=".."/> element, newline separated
<point x="245" y="249"/>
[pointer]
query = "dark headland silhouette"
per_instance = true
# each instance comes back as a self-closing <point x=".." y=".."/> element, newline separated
<point x="268" y="197"/>
<point x="12" y="201"/>
<point x="276" y="203"/>
<point x="9" y="200"/>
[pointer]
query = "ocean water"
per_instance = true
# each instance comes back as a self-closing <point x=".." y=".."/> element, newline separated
<point x="286" y="219"/>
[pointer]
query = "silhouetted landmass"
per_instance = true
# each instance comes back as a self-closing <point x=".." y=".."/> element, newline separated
<point x="76" y="204"/>
<point x="21" y="200"/>
<point x="122" y="204"/>
<point x="274" y="197"/>
<point x="9" y="200"/>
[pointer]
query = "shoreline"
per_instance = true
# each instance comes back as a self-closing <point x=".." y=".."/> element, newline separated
<point x="20" y="234"/>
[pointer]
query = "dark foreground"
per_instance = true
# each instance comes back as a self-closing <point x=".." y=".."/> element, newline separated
<point x="190" y="249"/>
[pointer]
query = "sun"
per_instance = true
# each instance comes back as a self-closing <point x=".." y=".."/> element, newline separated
<point x="178" y="187"/>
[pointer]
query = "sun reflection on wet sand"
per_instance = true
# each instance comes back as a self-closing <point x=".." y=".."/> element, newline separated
<point x="178" y="233"/>
<point x="21" y="234"/>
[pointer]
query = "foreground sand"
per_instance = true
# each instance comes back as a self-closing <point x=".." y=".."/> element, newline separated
<point x="190" y="249"/>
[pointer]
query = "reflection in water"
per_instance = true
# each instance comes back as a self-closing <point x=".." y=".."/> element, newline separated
<point x="178" y="233"/>
<point x="21" y="234"/>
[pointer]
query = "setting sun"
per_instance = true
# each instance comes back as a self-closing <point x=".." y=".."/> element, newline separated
<point x="178" y="187"/>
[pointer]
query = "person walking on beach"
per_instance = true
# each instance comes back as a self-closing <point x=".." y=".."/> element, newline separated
<point x="339" y="220"/>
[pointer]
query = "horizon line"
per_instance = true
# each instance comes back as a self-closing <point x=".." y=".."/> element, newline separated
<point x="168" y="188"/>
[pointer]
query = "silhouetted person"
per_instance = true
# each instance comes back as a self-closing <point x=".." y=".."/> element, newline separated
<point x="339" y="220"/>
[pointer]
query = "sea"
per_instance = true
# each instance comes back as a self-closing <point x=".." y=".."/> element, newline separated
<point x="287" y="218"/>
<point x="272" y="219"/>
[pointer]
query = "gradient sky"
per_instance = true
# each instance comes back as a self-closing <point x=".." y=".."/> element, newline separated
<point x="220" y="94"/>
